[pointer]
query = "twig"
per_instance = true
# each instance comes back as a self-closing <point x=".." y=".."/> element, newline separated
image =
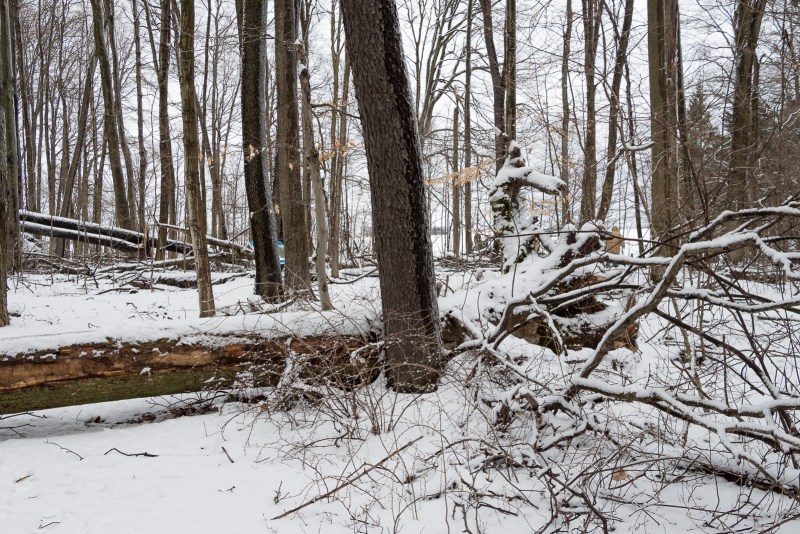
<point x="66" y="449"/>
<point x="228" y="455"/>
<point x="145" y="454"/>
<point x="348" y="481"/>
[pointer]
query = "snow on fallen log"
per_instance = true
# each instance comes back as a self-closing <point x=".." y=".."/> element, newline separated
<point x="114" y="237"/>
<point x="80" y="236"/>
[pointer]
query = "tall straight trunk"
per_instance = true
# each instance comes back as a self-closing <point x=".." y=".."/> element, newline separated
<point x="498" y="85"/>
<point x="592" y="14"/>
<point x="613" y="115"/>
<point x="468" y="132"/>
<point x="262" y="220"/>
<point x="161" y="59"/>
<point x="10" y="250"/>
<point x="744" y="113"/>
<point x="565" y="111"/>
<point x="510" y="68"/>
<point x="80" y="142"/>
<point x="337" y="179"/>
<point x="295" y="229"/>
<point x="456" y="188"/>
<point x="28" y="116"/>
<point x="120" y="117"/>
<point x="662" y="51"/>
<point x="312" y="158"/>
<point x="121" y="203"/>
<point x="8" y="158"/>
<point x="191" y="147"/>
<point x="336" y="58"/>
<point x="412" y="331"/>
<point x="140" y="117"/>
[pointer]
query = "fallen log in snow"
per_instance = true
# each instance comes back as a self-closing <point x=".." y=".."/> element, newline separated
<point x="83" y="374"/>
<point x="113" y="237"/>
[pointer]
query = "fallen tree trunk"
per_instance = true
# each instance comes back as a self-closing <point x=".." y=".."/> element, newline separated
<point x="79" y="236"/>
<point x="82" y="374"/>
<point x="113" y="237"/>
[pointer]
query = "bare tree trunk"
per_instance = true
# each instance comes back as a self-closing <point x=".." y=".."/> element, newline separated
<point x="337" y="178"/>
<point x="498" y="85"/>
<point x="312" y="157"/>
<point x="468" y="132"/>
<point x="456" y="187"/>
<point x="191" y="146"/>
<point x="621" y="59"/>
<point x="510" y="69"/>
<point x="10" y="249"/>
<point x="399" y="213"/>
<point x="262" y="222"/>
<point x="166" y="200"/>
<point x="592" y="14"/>
<point x="747" y="28"/>
<point x="8" y="157"/>
<point x="662" y="51"/>
<point x="565" y="198"/>
<point x="140" y="118"/>
<point x="295" y="229"/>
<point x="80" y="141"/>
<point x="120" y="117"/>
<point x="121" y="203"/>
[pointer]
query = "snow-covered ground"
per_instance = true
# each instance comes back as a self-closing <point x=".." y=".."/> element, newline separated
<point x="363" y="461"/>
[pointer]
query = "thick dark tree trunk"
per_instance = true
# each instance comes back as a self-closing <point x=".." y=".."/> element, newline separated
<point x="400" y="218"/>
<point x="262" y="219"/>
<point x="662" y="24"/>
<point x="8" y="155"/>
<point x="9" y="184"/>
<point x="747" y="28"/>
<point x="293" y="212"/>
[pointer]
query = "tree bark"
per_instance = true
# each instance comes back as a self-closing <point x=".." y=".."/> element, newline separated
<point x="565" y="112"/>
<point x="456" y="187"/>
<point x="295" y="228"/>
<point x="140" y="117"/>
<point x="9" y="184"/>
<point x="262" y="220"/>
<point x="191" y="146"/>
<point x="662" y="50"/>
<point x="312" y="158"/>
<point x="412" y="331"/>
<point x="498" y="85"/>
<point x="468" y="132"/>
<point x="592" y="13"/>
<point x="8" y="177"/>
<point x="747" y="28"/>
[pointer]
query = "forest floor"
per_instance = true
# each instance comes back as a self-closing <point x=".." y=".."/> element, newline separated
<point x="355" y="461"/>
